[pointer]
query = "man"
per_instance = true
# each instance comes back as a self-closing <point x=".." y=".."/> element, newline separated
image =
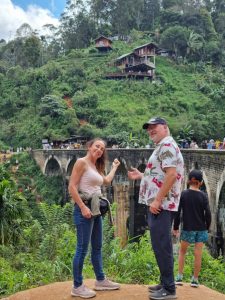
<point x="160" y="190"/>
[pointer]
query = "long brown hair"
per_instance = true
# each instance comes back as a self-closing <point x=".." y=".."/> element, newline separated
<point x="101" y="161"/>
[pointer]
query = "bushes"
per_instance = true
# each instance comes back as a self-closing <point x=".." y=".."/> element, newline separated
<point x="135" y="263"/>
<point x="7" y="277"/>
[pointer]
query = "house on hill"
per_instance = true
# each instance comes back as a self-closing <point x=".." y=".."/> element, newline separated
<point x="132" y="63"/>
<point x="151" y="50"/>
<point x="147" y="51"/>
<point x="103" y="44"/>
<point x="139" y="63"/>
<point x="126" y="60"/>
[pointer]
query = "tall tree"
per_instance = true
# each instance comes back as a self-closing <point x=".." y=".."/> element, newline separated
<point x="175" y="38"/>
<point x="207" y="25"/>
<point x="191" y="6"/>
<point x="25" y="30"/>
<point x="32" y="51"/>
<point x="24" y="51"/>
<point x="51" y="42"/>
<point x="121" y="17"/>
<point x="220" y="23"/>
<point x="219" y="6"/>
<point x="150" y="14"/>
<point x="136" y="14"/>
<point x="100" y="11"/>
<point x="76" y="27"/>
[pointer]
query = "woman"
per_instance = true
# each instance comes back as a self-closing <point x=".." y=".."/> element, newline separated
<point x="86" y="179"/>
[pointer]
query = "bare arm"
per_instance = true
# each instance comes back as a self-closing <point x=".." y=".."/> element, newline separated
<point x="78" y="170"/>
<point x="170" y="178"/>
<point x="208" y="216"/>
<point x="108" y="178"/>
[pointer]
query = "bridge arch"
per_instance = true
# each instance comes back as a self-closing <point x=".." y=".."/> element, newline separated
<point x="219" y="187"/>
<point x="52" y="166"/>
<point x="70" y="164"/>
<point x="221" y="209"/>
<point x="211" y="162"/>
<point x="220" y="201"/>
<point x="206" y="187"/>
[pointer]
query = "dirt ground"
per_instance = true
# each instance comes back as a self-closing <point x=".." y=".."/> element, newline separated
<point x="61" y="291"/>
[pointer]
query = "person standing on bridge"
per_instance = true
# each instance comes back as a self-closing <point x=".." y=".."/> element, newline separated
<point x="86" y="179"/>
<point x="160" y="190"/>
<point x="196" y="216"/>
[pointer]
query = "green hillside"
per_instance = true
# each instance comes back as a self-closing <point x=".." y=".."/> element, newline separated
<point x="70" y="95"/>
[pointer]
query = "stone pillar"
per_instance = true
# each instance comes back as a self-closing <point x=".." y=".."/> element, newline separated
<point x="121" y="198"/>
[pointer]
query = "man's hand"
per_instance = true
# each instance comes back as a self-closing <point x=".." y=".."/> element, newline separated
<point x="134" y="174"/>
<point x="155" y="207"/>
<point x="176" y="233"/>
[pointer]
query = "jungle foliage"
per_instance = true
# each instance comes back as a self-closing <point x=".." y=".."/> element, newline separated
<point x="53" y="86"/>
<point x="70" y="96"/>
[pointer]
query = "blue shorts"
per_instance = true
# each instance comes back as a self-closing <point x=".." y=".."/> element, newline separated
<point x="194" y="236"/>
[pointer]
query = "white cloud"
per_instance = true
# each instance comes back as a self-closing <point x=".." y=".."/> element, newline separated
<point x="12" y="17"/>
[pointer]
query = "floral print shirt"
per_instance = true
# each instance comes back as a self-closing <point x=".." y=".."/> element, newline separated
<point x="166" y="154"/>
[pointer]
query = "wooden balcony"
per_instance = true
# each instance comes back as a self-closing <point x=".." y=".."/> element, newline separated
<point x="129" y="75"/>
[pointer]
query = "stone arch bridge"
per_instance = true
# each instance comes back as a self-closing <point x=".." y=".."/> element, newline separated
<point x="131" y="216"/>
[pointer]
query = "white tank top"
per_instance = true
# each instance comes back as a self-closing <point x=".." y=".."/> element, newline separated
<point x="91" y="182"/>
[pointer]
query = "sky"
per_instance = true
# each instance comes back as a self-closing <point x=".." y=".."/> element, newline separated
<point x="14" y="13"/>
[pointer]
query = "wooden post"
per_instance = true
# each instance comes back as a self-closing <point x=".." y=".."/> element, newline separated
<point x="121" y="198"/>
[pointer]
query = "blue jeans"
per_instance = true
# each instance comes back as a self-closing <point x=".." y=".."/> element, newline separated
<point x="87" y="230"/>
<point x="160" y="231"/>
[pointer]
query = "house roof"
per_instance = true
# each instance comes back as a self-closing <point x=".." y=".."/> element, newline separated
<point x="104" y="37"/>
<point x="125" y="55"/>
<point x="154" y="45"/>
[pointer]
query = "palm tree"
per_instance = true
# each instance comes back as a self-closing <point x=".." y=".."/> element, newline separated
<point x="185" y="134"/>
<point x="194" y="42"/>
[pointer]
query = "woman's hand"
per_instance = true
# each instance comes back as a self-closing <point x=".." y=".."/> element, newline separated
<point x="86" y="212"/>
<point x="108" y="178"/>
<point x="115" y="163"/>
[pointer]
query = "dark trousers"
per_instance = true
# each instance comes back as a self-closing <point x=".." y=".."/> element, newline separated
<point x="161" y="238"/>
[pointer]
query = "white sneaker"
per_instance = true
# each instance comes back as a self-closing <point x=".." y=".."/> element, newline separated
<point x="106" y="284"/>
<point x="83" y="292"/>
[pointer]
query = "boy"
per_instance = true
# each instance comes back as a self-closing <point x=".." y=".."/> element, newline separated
<point x="196" y="218"/>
